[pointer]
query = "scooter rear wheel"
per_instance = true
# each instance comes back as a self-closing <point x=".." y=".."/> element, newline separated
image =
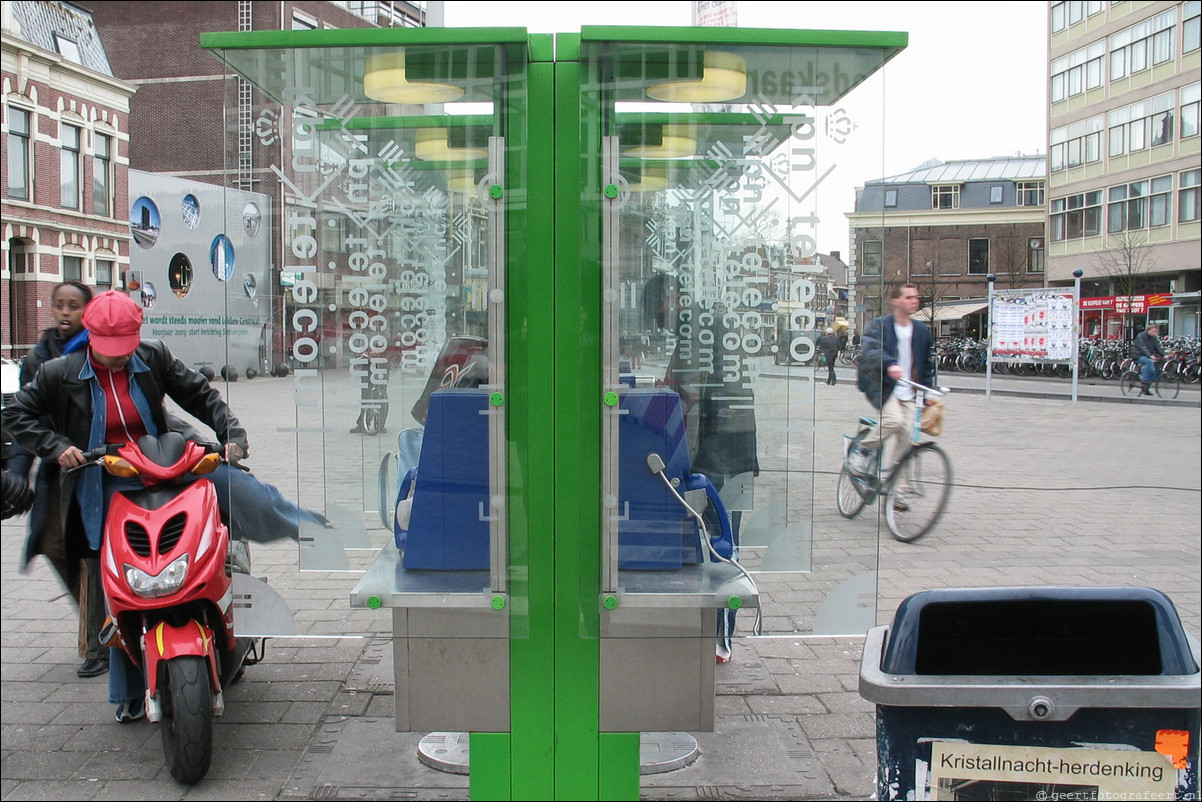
<point x="187" y="724"/>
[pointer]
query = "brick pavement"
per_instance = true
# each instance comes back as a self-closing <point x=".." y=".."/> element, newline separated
<point x="1047" y="492"/>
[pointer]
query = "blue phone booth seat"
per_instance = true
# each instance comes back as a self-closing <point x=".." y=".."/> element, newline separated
<point x="655" y="532"/>
<point x="446" y="530"/>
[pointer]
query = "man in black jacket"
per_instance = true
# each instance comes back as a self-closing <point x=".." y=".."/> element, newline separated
<point x="895" y="346"/>
<point x="1149" y="353"/>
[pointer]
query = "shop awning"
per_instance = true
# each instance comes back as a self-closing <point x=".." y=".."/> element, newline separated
<point x="954" y="311"/>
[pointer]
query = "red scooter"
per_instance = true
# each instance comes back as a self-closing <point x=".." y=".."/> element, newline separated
<point x="167" y="571"/>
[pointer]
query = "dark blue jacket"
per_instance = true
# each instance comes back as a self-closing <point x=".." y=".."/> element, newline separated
<point x="879" y="353"/>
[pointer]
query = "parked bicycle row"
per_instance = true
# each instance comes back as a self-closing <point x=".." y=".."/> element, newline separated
<point x="1104" y="359"/>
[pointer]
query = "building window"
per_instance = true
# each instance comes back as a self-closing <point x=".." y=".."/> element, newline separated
<point x="945" y="197"/>
<point x="1035" y="254"/>
<point x="1076" y="144"/>
<point x="1187" y="197"/>
<point x="1073" y="11"/>
<point x="72" y="268"/>
<point x="978" y="256"/>
<point x="104" y="274"/>
<point x="1030" y="193"/>
<point x="1140" y="125"/>
<point x="995" y="194"/>
<point x="1077" y="216"/>
<point x="1078" y="72"/>
<point x="1189" y="27"/>
<point x="1141" y="204"/>
<point x="67" y="48"/>
<point x="102" y="176"/>
<point x="303" y="22"/>
<point x="19" y="173"/>
<point x="890" y="198"/>
<point x="69" y="167"/>
<point x="872" y="256"/>
<point x="1143" y="45"/>
<point x="1190" y="95"/>
<point x="1160" y="204"/>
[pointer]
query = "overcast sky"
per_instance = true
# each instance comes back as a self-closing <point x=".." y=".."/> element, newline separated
<point x="971" y="84"/>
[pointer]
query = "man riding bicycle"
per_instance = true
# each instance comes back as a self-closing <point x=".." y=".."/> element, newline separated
<point x="895" y="346"/>
<point x="1149" y="353"/>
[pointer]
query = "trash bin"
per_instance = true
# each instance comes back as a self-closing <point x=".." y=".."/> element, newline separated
<point x="1034" y="694"/>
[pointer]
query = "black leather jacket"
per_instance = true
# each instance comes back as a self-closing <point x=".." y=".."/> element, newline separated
<point x="58" y="393"/>
<point x="55" y="411"/>
<point x="1147" y="345"/>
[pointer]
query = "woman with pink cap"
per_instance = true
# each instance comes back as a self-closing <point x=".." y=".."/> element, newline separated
<point x="114" y="392"/>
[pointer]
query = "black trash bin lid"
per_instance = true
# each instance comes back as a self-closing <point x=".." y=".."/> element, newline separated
<point x="1038" y="631"/>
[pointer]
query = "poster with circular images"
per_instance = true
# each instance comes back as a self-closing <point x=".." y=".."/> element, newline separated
<point x="221" y="256"/>
<point x="190" y="210"/>
<point x="179" y="275"/>
<point x="145" y="223"/>
<point x="252" y="219"/>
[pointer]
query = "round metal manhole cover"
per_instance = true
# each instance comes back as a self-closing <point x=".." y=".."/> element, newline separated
<point x="659" y="752"/>
<point x="445" y="751"/>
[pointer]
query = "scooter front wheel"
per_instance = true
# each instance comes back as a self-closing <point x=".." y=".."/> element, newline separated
<point x="187" y="723"/>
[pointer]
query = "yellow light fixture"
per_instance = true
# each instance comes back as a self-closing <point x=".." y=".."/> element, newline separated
<point x="384" y="80"/>
<point x="653" y="179"/>
<point x="431" y="146"/>
<point x="674" y="144"/>
<point x="723" y="77"/>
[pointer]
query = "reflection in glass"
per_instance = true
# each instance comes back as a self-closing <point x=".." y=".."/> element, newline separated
<point x="718" y="299"/>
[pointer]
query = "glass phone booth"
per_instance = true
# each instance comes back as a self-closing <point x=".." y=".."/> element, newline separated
<point x="571" y="285"/>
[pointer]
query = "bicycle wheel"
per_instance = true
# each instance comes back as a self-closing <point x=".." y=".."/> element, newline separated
<point x="1167" y="386"/>
<point x="1130" y="384"/>
<point x="918" y="492"/>
<point x="850" y="496"/>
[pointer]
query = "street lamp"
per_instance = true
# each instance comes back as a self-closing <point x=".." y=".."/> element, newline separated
<point x="1077" y="274"/>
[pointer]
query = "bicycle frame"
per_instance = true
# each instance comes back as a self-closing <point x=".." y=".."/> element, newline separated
<point x="910" y="510"/>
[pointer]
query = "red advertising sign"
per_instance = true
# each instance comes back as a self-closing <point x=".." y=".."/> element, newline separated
<point x="1128" y="304"/>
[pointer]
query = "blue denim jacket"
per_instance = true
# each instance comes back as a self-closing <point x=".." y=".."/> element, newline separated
<point x="89" y="490"/>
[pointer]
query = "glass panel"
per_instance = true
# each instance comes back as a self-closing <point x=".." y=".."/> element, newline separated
<point x="386" y="312"/>
<point x="715" y="301"/>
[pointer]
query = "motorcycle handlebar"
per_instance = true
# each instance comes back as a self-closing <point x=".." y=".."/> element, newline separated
<point x="93" y="456"/>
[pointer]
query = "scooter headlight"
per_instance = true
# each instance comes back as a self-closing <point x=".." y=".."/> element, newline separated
<point x="152" y="587"/>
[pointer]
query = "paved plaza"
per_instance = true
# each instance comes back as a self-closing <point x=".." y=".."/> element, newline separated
<point x="1103" y="492"/>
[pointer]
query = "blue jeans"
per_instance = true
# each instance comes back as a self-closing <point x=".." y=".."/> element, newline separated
<point x="125" y="679"/>
<point x="1149" y="369"/>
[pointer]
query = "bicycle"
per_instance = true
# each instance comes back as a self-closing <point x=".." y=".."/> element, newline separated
<point x="926" y="468"/>
<point x="1166" y="385"/>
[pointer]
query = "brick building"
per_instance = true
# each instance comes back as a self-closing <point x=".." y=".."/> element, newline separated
<point x="64" y="135"/>
<point x="946" y="227"/>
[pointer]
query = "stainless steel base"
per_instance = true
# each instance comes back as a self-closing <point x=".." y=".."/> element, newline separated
<point x="659" y="752"/>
